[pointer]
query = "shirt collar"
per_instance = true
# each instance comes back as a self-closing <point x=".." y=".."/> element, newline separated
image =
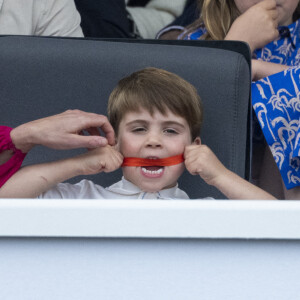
<point x="125" y="187"/>
<point x="290" y="30"/>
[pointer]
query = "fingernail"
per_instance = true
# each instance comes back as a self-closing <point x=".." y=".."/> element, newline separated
<point x="102" y="142"/>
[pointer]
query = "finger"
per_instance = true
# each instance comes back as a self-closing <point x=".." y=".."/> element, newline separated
<point x="74" y="141"/>
<point x="109" y="133"/>
<point x="268" y="4"/>
<point x="95" y="120"/>
<point x="93" y="131"/>
<point x="191" y="169"/>
<point x="193" y="151"/>
<point x="189" y="150"/>
<point x="274" y="14"/>
<point x="118" y="157"/>
<point x="117" y="162"/>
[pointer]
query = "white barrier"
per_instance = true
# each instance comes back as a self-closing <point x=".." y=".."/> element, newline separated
<point x="149" y="249"/>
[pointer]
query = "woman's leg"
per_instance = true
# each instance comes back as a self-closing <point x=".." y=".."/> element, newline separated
<point x="292" y="194"/>
<point x="269" y="175"/>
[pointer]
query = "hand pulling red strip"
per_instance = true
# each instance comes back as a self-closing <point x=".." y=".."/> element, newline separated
<point x="148" y="162"/>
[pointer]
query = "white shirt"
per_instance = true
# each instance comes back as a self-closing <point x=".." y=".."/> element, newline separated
<point x="123" y="189"/>
<point x="40" y="17"/>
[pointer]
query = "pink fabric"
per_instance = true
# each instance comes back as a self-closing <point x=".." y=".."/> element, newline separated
<point x="14" y="163"/>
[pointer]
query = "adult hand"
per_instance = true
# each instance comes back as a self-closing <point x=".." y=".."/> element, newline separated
<point x="64" y="131"/>
<point x="257" y="26"/>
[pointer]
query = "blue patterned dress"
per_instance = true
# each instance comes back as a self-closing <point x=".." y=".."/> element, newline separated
<point x="276" y="101"/>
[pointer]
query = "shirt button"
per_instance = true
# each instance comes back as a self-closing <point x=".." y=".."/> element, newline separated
<point x="284" y="32"/>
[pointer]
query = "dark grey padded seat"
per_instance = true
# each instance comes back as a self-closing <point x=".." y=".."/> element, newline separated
<point x="45" y="76"/>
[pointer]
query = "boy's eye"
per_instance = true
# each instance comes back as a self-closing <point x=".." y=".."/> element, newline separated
<point x="170" y="131"/>
<point x="138" y="129"/>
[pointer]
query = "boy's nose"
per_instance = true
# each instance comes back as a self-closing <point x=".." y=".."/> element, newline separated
<point x="153" y="140"/>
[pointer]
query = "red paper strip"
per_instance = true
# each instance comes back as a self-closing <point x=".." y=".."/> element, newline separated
<point x="146" y="162"/>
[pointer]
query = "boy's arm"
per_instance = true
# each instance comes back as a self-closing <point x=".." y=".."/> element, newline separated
<point x="235" y="187"/>
<point x="31" y="181"/>
<point x="199" y="159"/>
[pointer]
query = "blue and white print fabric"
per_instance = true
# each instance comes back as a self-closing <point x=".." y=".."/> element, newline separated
<point x="276" y="101"/>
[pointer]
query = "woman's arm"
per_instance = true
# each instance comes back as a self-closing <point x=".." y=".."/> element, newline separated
<point x="63" y="131"/>
<point x="262" y="69"/>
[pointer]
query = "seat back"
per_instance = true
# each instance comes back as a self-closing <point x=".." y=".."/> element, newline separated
<point x="44" y="76"/>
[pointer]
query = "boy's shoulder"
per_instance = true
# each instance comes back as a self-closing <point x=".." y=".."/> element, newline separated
<point x="85" y="189"/>
<point x="123" y="189"/>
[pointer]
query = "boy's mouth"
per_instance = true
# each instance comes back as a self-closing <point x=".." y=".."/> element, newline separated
<point x="153" y="171"/>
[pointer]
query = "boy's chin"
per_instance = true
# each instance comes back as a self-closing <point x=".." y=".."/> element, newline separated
<point x="154" y="188"/>
<point x="153" y="185"/>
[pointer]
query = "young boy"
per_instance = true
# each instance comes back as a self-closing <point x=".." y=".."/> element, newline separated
<point x="157" y="118"/>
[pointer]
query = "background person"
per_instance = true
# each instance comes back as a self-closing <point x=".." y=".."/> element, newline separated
<point x="127" y="19"/>
<point x="40" y="17"/>
<point x="271" y="29"/>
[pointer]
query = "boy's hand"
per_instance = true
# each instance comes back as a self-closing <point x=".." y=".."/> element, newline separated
<point x="63" y="131"/>
<point x="199" y="159"/>
<point x="103" y="159"/>
<point x="257" y="26"/>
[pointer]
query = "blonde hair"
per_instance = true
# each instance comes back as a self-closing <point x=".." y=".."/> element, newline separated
<point x="156" y="89"/>
<point x="217" y="17"/>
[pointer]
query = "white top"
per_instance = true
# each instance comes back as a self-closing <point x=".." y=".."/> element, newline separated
<point x="123" y="189"/>
<point x="155" y="15"/>
<point x="40" y="17"/>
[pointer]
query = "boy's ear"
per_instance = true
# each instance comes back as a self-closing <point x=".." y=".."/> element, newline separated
<point x="117" y="144"/>
<point x="197" y="141"/>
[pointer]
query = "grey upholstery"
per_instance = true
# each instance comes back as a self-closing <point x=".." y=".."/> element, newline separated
<point x="44" y="76"/>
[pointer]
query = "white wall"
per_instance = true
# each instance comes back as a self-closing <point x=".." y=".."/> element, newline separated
<point x="54" y="266"/>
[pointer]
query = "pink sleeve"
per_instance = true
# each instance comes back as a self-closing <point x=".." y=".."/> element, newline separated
<point x="14" y="163"/>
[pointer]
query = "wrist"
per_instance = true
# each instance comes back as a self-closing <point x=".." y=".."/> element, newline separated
<point x="236" y="34"/>
<point x="231" y="37"/>
<point x="80" y="166"/>
<point x="75" y="166"/>
<point x="22" y="138"/>
<point x="219" y="181"/>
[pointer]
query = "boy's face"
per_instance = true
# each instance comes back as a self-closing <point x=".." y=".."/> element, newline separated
<point x="158" y="136"/>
